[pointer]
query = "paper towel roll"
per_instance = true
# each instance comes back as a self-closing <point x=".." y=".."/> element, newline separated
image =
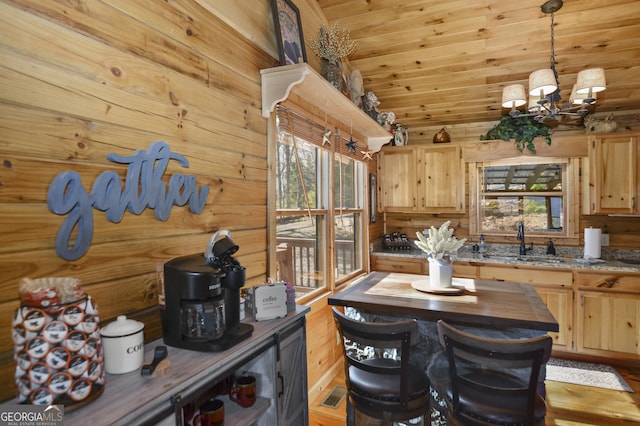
<point x="592" y="243"/>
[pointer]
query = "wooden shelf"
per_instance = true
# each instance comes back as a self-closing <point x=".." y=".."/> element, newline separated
<point x="304" y="81"/>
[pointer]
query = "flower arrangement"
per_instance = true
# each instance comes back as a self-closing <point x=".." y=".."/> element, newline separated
<point x="440" y="242"/>
<point x="332" y="43"/>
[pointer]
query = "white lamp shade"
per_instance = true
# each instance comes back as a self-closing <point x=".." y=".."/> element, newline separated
<point x="578" y="98"/>
<point x="513" y="96"/>
<point x="534" y="106"/>
<point x="592" y="78"/>
<point x="542" y="80"/>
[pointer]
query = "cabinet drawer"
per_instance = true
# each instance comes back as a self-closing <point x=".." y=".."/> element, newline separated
<point x="399" y="264"/>
<point x="464" y="270"/>
<point x="526" y="275"/>
<point x="613" y="281"/>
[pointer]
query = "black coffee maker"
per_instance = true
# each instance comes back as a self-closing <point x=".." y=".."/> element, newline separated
<point x="200" y="309"/>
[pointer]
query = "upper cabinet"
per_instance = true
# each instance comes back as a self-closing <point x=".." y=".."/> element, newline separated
<point x="303" y="81"/>
<point x="422" y="179"/>
<point x="398" y="180"/>
<point x="613" y="174"/>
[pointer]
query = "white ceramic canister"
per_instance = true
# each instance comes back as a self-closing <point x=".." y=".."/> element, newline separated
<point x="123" y="342"/>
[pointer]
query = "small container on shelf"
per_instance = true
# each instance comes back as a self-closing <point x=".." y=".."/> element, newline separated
<point x="57" y="348"/>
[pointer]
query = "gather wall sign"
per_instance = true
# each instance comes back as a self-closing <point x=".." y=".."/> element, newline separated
<point x="143" y="188"/>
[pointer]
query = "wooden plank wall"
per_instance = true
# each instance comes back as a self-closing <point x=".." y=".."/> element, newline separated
<point x="82" y="79"/>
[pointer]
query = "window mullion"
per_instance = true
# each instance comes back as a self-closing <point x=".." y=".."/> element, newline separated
<point x="329" y="180"/>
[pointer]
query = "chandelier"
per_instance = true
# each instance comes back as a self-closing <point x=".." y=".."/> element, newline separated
<point x="544" y="87"/>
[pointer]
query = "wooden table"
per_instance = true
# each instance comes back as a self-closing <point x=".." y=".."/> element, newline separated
<point x="492" y="309"/>
<point x="486" y="304"/>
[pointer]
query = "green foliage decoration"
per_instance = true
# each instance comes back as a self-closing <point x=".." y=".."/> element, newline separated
<point x="522" y="129"/>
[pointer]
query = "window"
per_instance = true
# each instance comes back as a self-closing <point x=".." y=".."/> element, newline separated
<point x="319" y="214"/>
<point x="534" y="191"/>
<point x="348" y="175"/>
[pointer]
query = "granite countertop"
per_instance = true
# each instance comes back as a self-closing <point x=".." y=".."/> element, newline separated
<point x="504" y="254"/>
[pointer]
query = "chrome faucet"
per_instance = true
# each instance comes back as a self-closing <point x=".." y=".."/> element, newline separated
<point x="520" y="236"/>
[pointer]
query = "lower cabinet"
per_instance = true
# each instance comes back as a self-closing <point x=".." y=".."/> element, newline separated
<point x="559" y="302"/>
<point x="280" y="369"/>
<point x="608" y="314"/>
<point x="555" y="288"/>
<point x="404" y="265"/>
<point x="292" y="389"/>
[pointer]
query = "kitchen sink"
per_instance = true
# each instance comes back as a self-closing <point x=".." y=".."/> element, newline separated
<point x="502" y="258"/>
<point x="630" y="261"/>
<point x="544" y="259"/>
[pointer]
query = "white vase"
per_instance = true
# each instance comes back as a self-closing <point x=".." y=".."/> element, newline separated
<point x="440" y="273"/>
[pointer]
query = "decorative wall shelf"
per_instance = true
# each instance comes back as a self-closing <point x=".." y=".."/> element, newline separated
<point x="304" y="81"/>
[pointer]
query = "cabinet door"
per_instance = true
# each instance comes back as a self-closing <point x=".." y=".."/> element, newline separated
<point x="292" y="377"/>
<point x="612" y="175"/>
<point x="559" y="303"/>
<point x="398" y="181"/>
<point x="608" y="322"/>
<point x="441" y="179"/>
<point x="554" y="287"/>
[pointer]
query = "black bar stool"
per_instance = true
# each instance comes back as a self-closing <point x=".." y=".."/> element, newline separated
<point x="494" y="381"/>
<point x="380" y="381"/>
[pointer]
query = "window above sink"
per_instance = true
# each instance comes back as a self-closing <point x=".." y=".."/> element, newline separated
<point x="542" y="192"/>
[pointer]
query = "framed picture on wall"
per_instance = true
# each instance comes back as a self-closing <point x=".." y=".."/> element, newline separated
<point x="286" y="22"/>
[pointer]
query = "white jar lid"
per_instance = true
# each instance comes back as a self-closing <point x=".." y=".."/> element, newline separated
<point x="122" y="327"/>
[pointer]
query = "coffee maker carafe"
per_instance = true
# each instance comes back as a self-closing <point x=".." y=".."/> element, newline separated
<point x="201" y="309"/>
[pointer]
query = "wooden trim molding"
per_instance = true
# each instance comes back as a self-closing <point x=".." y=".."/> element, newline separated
<point x="569" y="146"/>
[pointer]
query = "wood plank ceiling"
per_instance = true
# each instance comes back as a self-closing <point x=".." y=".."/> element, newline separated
<point x="439" y="63"/>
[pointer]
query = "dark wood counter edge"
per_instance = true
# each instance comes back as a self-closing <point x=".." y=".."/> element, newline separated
<point x="353" y="296"/>
<point x="130" y="399"/>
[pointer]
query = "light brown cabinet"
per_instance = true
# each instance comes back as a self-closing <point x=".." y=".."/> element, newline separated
<point x="422" y="179"/>
<point x="608" y="314"/>
<point x="554" y="287"/>
<point x="613" y="174"/>
<point x="404" y="265"/>
<point x="419" y="266"/>
<point x="398" y="180"/>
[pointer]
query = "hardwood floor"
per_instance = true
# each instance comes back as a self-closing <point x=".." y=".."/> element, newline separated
<point x="567" y="404"/>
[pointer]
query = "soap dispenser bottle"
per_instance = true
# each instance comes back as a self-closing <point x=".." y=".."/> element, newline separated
<point x="482" y="246"/>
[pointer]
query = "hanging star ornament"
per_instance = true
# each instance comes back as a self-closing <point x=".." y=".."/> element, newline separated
<point x="326" y="137"/>
<point x="366" y="155"/>
<point x="352" y="145"/>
